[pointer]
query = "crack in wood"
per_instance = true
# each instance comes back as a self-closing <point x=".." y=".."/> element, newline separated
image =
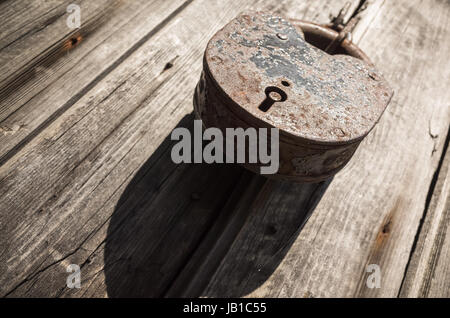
<point x="431" y="189"/>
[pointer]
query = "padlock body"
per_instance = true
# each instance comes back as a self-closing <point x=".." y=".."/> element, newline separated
<point x="299" y="162"/>
<point x="326" y="104"/>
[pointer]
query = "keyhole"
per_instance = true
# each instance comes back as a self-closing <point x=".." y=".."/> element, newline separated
<point x="273" y="95"/>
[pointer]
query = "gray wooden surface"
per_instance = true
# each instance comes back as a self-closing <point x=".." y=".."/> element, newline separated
<point x="86" y="176"/>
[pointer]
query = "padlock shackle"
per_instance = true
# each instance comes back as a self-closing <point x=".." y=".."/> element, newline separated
<point x="320" y="36"/>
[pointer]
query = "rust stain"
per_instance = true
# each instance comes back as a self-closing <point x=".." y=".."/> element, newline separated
<point x="384" y="231"/>
<point x="72" y="42"/>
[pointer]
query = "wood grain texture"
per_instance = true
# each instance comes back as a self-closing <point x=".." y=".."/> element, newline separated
<point x="20" y="18"/>
<point x="42" y="41"/>
<point x="95" y="185"/>
<point x="428" y="273"/>
<point x="64" y="78"/>
<point x="371" y="211"/>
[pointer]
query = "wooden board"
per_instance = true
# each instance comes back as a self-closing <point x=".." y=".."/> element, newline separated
<point x="91" y="182"/>
<point x="59" y="80"/>
<point x="371" y="211"/>
<point x="428" y="273"/>
<point x="89" y="160"/>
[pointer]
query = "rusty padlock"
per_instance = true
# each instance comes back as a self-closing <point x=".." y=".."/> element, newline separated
<point x="262" y="70"/>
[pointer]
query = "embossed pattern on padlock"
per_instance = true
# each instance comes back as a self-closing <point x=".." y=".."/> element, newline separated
<point x="260" y="71"/>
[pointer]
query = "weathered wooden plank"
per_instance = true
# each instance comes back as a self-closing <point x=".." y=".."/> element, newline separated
<point x="371" y="211"/>
<point x="59" y="193"/>
<point x="78" y="186"/>
<point x="22" y="17"/>
<point x="428" y="273"/>
<point x="158" y="218"/>
<point x="160" y="14"/>
<point x="41" y="42"/>
<point x="56" y="86"/>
